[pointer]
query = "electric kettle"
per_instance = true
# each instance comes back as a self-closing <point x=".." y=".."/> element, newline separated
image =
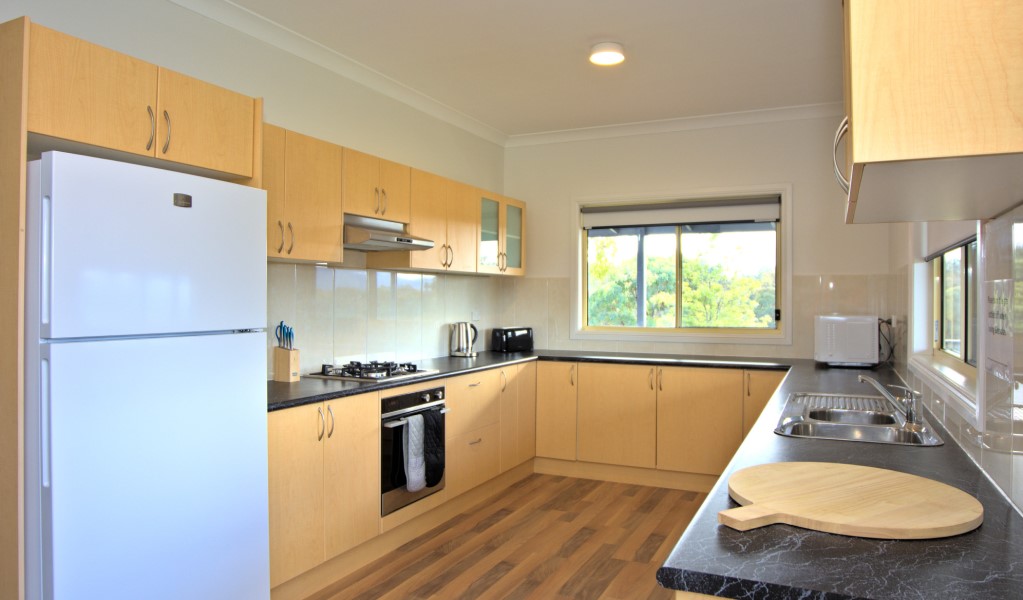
<point x="462" y="339"/>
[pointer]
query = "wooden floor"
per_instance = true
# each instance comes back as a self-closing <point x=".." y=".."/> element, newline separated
<point x="545" y="537"/>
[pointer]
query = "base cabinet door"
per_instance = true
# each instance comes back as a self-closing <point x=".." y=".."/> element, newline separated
<point x="758" y="388"/>
<point x="351" y="472"/>
<point x="295" y="448"/>
<point x="617" y="414"/>
<point x="699" y="418"/>
<point x="556" y="409"/>
<point x="518" y="414"/>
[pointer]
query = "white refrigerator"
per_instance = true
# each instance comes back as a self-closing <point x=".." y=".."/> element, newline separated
<point x="145" y="384"/>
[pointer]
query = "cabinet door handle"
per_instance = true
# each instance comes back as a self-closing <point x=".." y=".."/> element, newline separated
<point x="660" y="380"/>
<point x="504" y="381"/>
<point x="152" y="128"/>
<point x="451" y="259"/>
<point x="376" y="194"/>
<point x="749" y="382"/>
<point x="650" y="377"/>
<point x="475" y="441"/>
<point x="444" y="261"/>
<point x="292" y="230"/>
<point x="843" y="128"/>
<point x="331" y="411"/>
<point x="475" y="384"/>
<point x="166" y="144"/>
<point x="383" y="194"/>
<point x="323" y="424"/>
<point x="281" y="247"/>
<point x="571" y="375"/>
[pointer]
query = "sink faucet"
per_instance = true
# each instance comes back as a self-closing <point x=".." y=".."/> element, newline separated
<point x="908" y="405"/>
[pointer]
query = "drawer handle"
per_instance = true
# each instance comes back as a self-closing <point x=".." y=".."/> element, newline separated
<point x="166" y="144"/>
<point x="475" y="441"/>
<point x="152" y="128"/>
<point x="843" y="128"/>
<point x="475" y="384"/>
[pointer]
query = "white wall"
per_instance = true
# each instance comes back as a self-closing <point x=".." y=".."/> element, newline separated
<point x="297" y="94"/>
<point x="836" y="267"/>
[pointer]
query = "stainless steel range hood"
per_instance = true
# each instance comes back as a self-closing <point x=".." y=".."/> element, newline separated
<point x="377" y="235"/>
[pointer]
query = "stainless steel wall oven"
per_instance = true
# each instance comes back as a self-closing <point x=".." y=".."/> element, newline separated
<point x="395" y="412"/>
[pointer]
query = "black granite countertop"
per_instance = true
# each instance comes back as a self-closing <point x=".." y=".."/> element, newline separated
<point x="310" y="389"/>
<point x="782" y="561"/>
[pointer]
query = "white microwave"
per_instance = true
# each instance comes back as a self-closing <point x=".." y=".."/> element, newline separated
<point x="846" y="340"/>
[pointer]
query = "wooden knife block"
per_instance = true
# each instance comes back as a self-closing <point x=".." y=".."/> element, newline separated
<point x="285" y="365"/>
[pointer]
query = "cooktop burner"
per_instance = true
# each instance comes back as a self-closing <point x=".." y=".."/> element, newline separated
<point x="372" y="371"/>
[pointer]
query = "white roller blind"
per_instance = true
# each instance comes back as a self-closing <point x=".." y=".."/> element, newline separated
<point x="682" y="212"/>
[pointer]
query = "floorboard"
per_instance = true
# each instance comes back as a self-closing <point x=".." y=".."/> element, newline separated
<point x="544" y="537"/>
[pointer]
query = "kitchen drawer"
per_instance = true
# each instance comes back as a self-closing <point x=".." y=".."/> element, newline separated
<point x="474" y="401"/>
<point x="472" y="459"/>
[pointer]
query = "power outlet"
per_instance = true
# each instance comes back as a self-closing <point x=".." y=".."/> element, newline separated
<point x="474" y="315"/>
<point x="895" y="322"/>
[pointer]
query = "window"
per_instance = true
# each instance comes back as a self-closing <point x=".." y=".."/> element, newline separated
<point x="955" y="285"/>
<point x="696" y="266"/>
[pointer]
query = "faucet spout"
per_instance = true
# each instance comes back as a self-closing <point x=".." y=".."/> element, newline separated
<point x="909" y="406"/>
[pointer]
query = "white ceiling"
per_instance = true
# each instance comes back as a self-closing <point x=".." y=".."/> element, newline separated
<point x="520" y="66"/>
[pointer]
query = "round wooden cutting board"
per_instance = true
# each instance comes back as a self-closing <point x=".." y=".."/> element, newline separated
<point x="849" y="500"/>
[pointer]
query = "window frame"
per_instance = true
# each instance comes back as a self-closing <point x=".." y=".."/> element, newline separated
<point x="968" y="301"/>
<point x="781" y="335"/>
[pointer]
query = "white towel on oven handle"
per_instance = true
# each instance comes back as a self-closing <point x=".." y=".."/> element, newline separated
<point x="413" y="435"/>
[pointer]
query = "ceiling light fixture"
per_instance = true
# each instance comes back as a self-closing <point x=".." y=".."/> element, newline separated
<point x="607" y="54"/>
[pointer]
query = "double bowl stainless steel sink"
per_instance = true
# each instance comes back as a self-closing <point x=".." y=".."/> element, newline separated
<point x="851" y="418"/>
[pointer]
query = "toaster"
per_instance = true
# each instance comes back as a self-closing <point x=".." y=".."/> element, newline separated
<point x="511" y="339"/>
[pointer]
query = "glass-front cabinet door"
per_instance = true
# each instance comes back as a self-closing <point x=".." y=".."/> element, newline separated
<point x="490" y="236"/>
<point x="502" y="236"/>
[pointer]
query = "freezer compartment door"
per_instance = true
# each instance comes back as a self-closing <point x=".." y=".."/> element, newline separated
<point x="130" y="250"/>
<point x="156" y="483"/>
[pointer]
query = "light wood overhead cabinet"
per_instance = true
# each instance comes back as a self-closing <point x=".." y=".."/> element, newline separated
<point x="617" y="414"/>
<point x="375" y="187"/>
<point x="302" y="178"/>
<point x="758" y="387"/>
<point x="699" y="418"/>
<point x="502" y="235"/>
<point x="934" y="102"/>
<point x="324" y="481"/>
<point x="556" y="405"/>
<point x="86" y="93"/>
<point x="443" y="211"/>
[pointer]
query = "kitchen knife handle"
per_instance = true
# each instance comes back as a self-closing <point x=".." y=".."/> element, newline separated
<point x="152" y="128"/>
<point x="292" y="230"/>
<point x="323" y="424"/>
<point x="281" y="247"/>
<point x="331" y="411"/>
<point x="166" y="144"/>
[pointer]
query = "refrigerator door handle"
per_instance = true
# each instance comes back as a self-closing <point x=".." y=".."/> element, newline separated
<point x="44" y="421"/>
<point x="46" y="262"/>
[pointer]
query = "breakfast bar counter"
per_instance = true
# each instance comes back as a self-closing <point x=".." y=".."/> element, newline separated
<point x="783" y="561"/>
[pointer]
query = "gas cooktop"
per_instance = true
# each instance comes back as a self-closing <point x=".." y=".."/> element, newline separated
<point x="372" y="371"/>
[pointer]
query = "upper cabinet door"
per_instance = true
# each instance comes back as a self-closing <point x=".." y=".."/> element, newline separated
<point x="374" y="187"/>
<point x="312" y="184"/>
<point x="86" y="93"/>
<point x="395" y="185"/>
<point x="273" y="182"/>
<point x="463" y="221"/>
<point x="514" y="237"/>
<point x="204" y="125"/>
<point x="429" y="197"/>
<point x="490" y="235"/>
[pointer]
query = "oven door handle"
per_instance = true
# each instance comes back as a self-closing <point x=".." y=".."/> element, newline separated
<point x="399" y="422"/>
